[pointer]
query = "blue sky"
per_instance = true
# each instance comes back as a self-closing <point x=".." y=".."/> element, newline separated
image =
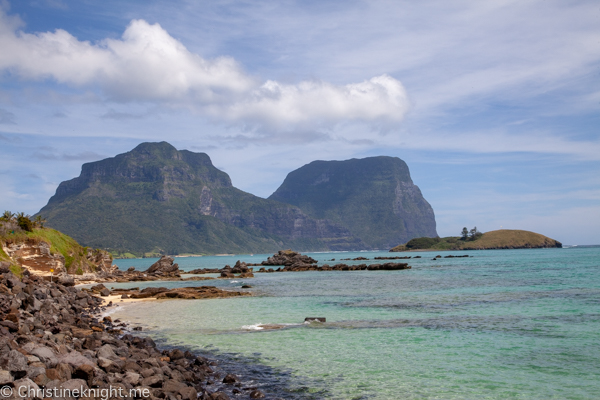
<point x="494" y="105"/>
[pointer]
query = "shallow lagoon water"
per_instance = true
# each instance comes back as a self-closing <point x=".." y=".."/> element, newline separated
<point x="520" y="324"/>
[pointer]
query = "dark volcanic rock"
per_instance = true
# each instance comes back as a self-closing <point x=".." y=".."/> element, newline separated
<point x="62" y="343"/>
<point x="296" y="262"/>
<point x="195" y="292"/>
<point x="164" y="267"/>
<point x="289" y="258"/>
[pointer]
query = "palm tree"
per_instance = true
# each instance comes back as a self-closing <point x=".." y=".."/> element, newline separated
<point x="7" y="216"/>
<point x="39" y="221"/>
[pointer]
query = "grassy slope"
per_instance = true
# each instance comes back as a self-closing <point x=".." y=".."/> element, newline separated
<point x="500" y="239"/>
<point x="60" y="243"/>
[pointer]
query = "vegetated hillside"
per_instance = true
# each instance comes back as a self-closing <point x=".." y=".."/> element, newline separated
<point x="43" y="249"/>
<point x="500" y="239"/>
<point x="374" y="198"/>
<point x="156" y="199"/>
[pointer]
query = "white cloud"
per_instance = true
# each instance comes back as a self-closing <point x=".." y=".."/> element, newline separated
<point x="380" y="98"/>
<point x="148" y="64"/>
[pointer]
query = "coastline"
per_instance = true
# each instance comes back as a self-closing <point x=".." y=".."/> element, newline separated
<point x="253" y="376"/>
<point x="61" y="337"/>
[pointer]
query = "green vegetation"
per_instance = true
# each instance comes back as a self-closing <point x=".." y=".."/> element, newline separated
<point x="156" y="200"/>
<point x="374" y="198"/>
<point x="471" y="235"/>
<point x="475" y="240"/>
<point x="17" y="270"/>
<point x="422" y="243"/>
<point x="12" y="230"/>
<point x="117" y="254"/>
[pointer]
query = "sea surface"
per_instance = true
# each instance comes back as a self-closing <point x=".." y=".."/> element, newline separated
<point x="501" y="324"/>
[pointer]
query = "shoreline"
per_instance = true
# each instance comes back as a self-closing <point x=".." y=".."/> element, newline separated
<point x="60" y="336"/>
<point x="262" y="380"/>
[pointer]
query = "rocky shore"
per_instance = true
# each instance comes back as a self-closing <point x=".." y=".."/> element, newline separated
<point x="54" y="343"/>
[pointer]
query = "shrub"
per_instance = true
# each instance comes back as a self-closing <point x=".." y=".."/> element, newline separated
<point x="421" y="243"/>
<point x="25" y="223"/>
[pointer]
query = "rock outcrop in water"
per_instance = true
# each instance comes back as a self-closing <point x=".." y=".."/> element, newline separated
<point x="193" y="292"/>
<point x="289" y="258"/>
<point x="164" y="267"/>
<point x="340" y="267"/>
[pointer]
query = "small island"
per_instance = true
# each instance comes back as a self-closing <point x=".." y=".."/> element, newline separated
<point x="475" y="240"/>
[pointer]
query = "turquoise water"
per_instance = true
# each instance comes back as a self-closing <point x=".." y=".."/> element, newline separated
<point x="522" y="324"/>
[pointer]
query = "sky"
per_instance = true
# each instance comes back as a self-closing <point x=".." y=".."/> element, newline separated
<point x="494" y="105"/>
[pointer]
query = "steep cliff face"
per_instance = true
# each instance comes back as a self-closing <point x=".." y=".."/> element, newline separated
<point x="374" y="198"/>
<point x="156" y="198"/>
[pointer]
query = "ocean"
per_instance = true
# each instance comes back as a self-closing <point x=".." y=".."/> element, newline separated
<point x="500" y="324"/>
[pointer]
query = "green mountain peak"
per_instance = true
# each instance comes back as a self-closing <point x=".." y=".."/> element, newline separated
<point x="373" y="197"/>
<point x="156" y="198"/>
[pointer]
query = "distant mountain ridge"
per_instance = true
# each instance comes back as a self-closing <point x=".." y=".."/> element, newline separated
<point x="155" y="198"/>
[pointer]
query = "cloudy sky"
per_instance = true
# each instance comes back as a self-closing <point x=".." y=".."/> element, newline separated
<point x="494" y="105"/>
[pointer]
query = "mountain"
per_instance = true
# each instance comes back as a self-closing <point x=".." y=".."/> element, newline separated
<point x="158" y="199"/>
<point x="374" y="198"/>
<point x="493" y="240"/>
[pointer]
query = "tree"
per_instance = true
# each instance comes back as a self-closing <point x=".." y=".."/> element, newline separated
<point x="7" y="216"/>
<point x="39" y="221"/>
<point x="475" y="234"/>
<point x="465" y="233"/>
<point x="24" y="222"/>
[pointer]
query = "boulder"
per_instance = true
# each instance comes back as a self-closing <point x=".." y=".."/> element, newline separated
<point x="75" y="359"/>
<point x="230" y="379"/>
<point x="164" y="267"/>
<point x="66" y="280"/>
<point x="188" y="393"/>
<point x="132" y="378"/>
<point x="26" y="386"/>
<point x="46" y="354"/>
<point x="4" y="267"/>
<point x="14" y="362"/>
<point x="5" y="377"/>
<point x="153" y="381"/>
